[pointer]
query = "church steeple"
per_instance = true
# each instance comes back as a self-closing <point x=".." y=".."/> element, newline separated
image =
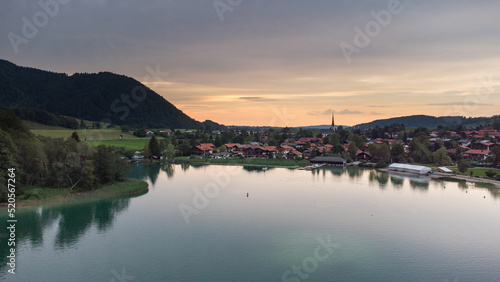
<point x="333" y="123"/>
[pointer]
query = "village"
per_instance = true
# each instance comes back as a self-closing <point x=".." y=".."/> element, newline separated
<point x="441" y="146"/>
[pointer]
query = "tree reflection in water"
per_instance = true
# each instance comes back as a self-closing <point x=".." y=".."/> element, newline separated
<point x="73" y="221"/>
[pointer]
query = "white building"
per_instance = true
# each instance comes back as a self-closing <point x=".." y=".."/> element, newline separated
<point x="417" y="169"/>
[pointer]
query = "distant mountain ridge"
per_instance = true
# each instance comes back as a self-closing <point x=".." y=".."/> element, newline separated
<point x="428" y="121"/>
<point x="100" y="96"/>
<point x="417" y="121"/>
<point x="326" y="126"/>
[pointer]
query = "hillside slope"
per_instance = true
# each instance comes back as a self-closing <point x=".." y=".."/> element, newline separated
<point x="103" y="96"/>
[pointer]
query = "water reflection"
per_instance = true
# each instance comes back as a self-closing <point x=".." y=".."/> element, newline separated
<point x="418" y="184"/>
<point x="169" y="169"/>
<point x="337" y="171"/>
<point x="383" y="179"/>
<point x="397" y="181"/>
<point x="71" y="221"/>
<point x="72" y="228"/>
<point x="354" y="172"/>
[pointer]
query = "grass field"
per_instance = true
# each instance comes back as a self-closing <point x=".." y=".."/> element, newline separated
<point x="132" y="144"/>
<point x="89" y="135"/>
<point x="93" y="137"/>
<point x="479" y="171"/>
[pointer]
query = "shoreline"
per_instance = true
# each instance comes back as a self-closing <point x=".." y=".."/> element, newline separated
<point x="435" y="175"/>
<point x="109" y="191"/>
<point x="274" y="163"/>
<point x="438" y="175"/>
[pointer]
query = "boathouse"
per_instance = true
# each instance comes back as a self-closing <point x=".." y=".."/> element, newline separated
<point x="332" y="161"/>
<point x="417" y="169"/>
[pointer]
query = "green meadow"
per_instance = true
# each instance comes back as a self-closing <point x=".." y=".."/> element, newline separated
<point x="132" y="144"/>
<point x="94" y="137"/>
<point x="477" y="171"/>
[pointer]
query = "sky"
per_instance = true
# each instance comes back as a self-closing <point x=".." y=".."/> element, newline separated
<point x="274" y="63"/>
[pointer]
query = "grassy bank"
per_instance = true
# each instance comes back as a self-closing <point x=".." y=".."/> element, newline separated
<point x="476" y="171"/>
<point x="244" y="162"/>
<point x="41" y="195"/>
<point x="132" y="144"/>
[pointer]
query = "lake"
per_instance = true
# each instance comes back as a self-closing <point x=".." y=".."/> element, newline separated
<point x="197" y="223"/>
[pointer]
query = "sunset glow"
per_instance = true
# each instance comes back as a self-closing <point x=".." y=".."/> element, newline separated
<point x="282" y="63"/>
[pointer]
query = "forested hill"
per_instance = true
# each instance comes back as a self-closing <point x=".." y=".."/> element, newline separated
<point x="103" y="96"/>
<point x="429" y="121"/>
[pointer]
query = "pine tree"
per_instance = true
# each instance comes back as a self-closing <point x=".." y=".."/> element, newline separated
<point x="154" y="147"/>
<point x="75" y="136"/>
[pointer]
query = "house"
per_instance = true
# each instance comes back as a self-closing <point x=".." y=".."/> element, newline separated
<point x="363" y="156"/>
<point x="231" y="147"/>
<point x="463" y="142"/>
<point x="269" y="151"/>
<point x="291" y="144"/>
<point x="476" y="155"/>
<point x="149" y="133"/>
<point x="293" y="154"/>
<point x="167" y="133"/>
<point x="253" y="152"/>
<point x="285" y="148"/>
<point x="202" y="149"/>
<point x="221" y="155"/>
<point x="332" y="161"/>
<point x="483" y="145"/>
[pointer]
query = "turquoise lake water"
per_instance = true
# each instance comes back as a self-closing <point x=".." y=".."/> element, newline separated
<point x="331" y="224"/>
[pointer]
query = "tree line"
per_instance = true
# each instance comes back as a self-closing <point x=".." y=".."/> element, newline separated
<point x="57" y="163"/>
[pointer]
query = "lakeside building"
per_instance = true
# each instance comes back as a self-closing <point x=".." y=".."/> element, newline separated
<point x="332" y="161"/>
<point x="417" y="169"/>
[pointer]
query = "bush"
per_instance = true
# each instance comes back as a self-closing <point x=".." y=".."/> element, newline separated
<point x="463" y="166"/>
<point x="490" y="173"/>
<point x="32" y="195"/>
<point x="381" y="165"/>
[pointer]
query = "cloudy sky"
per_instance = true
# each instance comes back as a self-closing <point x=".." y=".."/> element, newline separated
<point x="281" y="62"/>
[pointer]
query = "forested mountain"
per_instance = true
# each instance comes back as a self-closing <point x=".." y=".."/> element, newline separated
<point x="430" y="121"/>
<point x="103" y="96"/>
